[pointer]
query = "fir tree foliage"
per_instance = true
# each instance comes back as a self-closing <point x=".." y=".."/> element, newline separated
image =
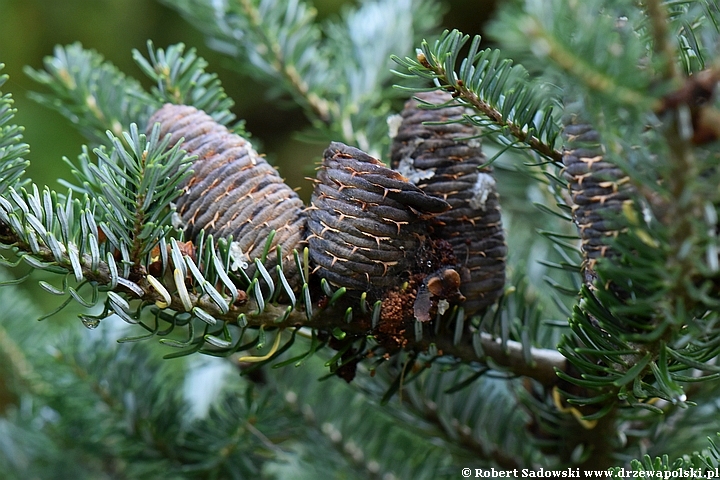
<point x="617" y="354"/>
<point x="87" y="409"/>
<point x="652" y="303"/>
<point x="12" y="149"/>
<point x="511" y="106"/>
<point x="199" y="305"/>
<point x="623" y="92"/>
<point x="94" y="95"/>
<point x="150" y="172"/>
<point x="181" y="79"/>
<point x="90" y="92"/>
<point x="338" y="70"/>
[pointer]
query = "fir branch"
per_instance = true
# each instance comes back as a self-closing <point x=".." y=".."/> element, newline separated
<point x="495" y="88"/>
<point x="543" y="367"/>
<point x="283" y="56"/>
<point x="588" y="74"/>
<point x="143" y="426"/>
<point x="12" y="149"/>
<point x="490" y="433"/>
<point x="661" y="38"/>
<point x="478" y="347"/>
<point x="645" y="292"/>
<point x="628" y="327"/>
<point x="360" y="48"/>
<point x="681" y="210"/>
<point x="648" y="325"/>
<point x="290" y="50"/>
<point x="180" y="78"/>
<point x="594" y="48"/>
<point x="338" y="73"/>
<point x="134" y="186"/>
<point x="19" y="367"/>
<point x="351" y="424"/>
<point x="91" y="93"/>
<point x="695" y="25"/>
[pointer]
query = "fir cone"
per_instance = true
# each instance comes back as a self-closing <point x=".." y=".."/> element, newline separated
<point x="233" y="191"/>
<point x="444" y="163"/>
<point x="598" y="190"/>
<point x="366" y="222"/>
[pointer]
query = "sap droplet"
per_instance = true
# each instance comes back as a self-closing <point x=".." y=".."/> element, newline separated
<point x="90" y="322"/>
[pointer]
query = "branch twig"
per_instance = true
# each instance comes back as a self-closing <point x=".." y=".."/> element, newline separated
<point x="578" y="67"/>
<point x="661" y="43"/>
<point x="494" y="114"/>
<point x="510" y="356"/>
<point x="288" y="72"/>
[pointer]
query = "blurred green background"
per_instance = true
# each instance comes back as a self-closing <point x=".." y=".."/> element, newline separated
<point x="31" y="28"/>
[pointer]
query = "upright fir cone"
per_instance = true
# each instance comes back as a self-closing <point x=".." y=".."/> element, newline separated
<point x="444" y="162"/>
<point x="366" y="222"/>
<point x="233" y="191"/>
<point x="598" y="190"/>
